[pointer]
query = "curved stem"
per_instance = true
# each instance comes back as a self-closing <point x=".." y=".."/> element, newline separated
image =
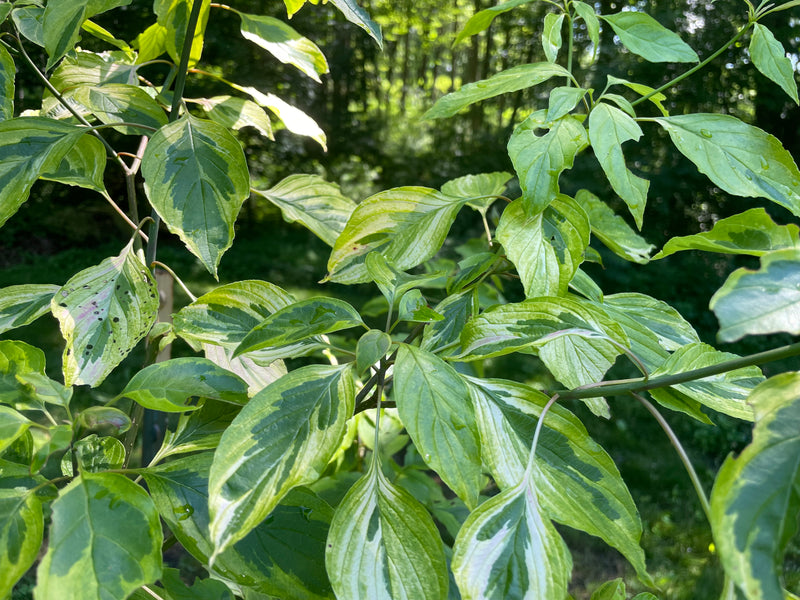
<point x="539" y="425"/>
<point x="177" y="279"/>
<point x="676" y="443"/>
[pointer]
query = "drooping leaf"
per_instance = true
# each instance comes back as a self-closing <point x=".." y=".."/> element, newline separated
<point x="166" y="385"/>
<point x="29" y="147"/>
<point x="62" y="20"/>
<point x="760" y="302"/>
<point x="578" y="483"/>
<point x="256" y="371"/>
<point x="299" y="322"/>
<point x="196" y="178"/>
<point x="8" y="73"/>
<point x="105" y="540"/>
<point x="93" y="454"/>
<point x="282" y="438"/>
<point x="103" y="312"/>
<point x="481" y="20"/>
<point x="551" y="35"/>
<point x="770" y="58"/>
<point x="12" y="425"/>
<point x="547" y="247"/>
<point x="235" y="113"/>
<point x="510" y="80"/>
<point x="285" y="44"/>
<point x="21" y="531"/>
<point x="643" y="90"/>
<point x="586" y="12"/>
<point x="434" y="405"/>
<point x="508" y="549"/>
<point x="83" y="166"/>
<point x="357" y="15"/>
<point x="741" y="159"/>
<point x="610" y="590"/>
<point x="292" y="6"/>
<point x="23" y="304"/>
<point x="314" y="202"/>
<point x="613" y="231"/>
<point x="481" y="189"/>
<point x="726" y="393"/>
<point x="643" y="35"/>
<point x="406" y="225"/>
<point x="756" y="496"/>
<point x="176" y="21"/>
<point x="119" y="102"/>
<point x="371" y="347"/>
<point x="383" y="544"/>
<point x="752" y="232"/>
<point x="539" y="160"/>
<point x="609" y="128"/>
<point x="101" y="33"/>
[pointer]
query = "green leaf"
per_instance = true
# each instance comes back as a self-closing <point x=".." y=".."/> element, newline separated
<point x="671" y="329"/>
<point x="17" y="360"/>
<point x="414" y="308"/>
<point x="201" y="589"/>
<point x="613" y="231"/>
<point x="406" y="225"/>
<point x="285" y="44"/>
<point x="472" y="269"/>
<point x="21" y="532"/>
<point x="510" y="80"/>
<point x="29" y="147"/>
<point x="93" y="454"/>
<point x="105" y="540"/>
<point x="236" y="113"/>
<point x="508" y="549"/>
<point x="8" y="72"/>
<point x="176" y="22"/>
<point x="394" y="283"/>
<point x="562" y="100"/>
<point x="88" y="68"/>
<point x="300" y="321"/>
<point x="101" y="33"/>
<point x="256" y="370"/>
<point x="167" y="385"/>
<point x="456" y="309"/>
<point x="383" y="544"/>
<point x="586" y="12"/>
<point x="103" y="312"/>
<point x="546" y="248"/>
<point x="756" y="497"/>
<point x="609" y="128"/>
<point x="357" y="15"/>
<point x="196" y="178"/>
<point x="282" y="438"/>
<point x="610" y="590"/>
<point x="643" y="35"/>
<point x="82" y="166"/>
<point x="741" y="159"/>
<point x="292" y="6"/>
<point x="23" y="304"/>
<point x="151" y="43"/>
<point x="371" y="347"/>
<point x="770" y="58"/>
<point x="642" y="90"/>
<point x="12" y="426"/>
<point x="5" y="9"/>
<point x="28" y="21"/>
<point x="539" y="160"/>
<point x="481" y="189"/>
<point x="314" y="202"/>
<point x="434" y="405"/>
<point x="551" y="35"/>
<point x="752" y="232"/>
<point x="760" y="302"/>
<point x="726" y="393"/>
<point x="106" y="419"/>
<point x="200" y="429"/>
<point x="62" y="20"/>
<point x="119" y="102"/>
<point x="481" y="20"/>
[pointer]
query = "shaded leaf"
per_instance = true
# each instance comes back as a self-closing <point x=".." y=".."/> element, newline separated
<point x="106" y="419"/>
<point x="47" y="442"/>
<point x="434" y="405"/>
<point x="105" y="540"/>
<point x="643" y="35"/>
<point x="93" y="454"/>
<point x="371" y="347"/>
<point x="413" y="308"/>
<point x="752" y="232"/>
<point x="670" y="328"/>
<point x="392" y="282"/>
<point x="770" y="58"/>
<point x="200" y="429"/>
<point x="196" y="178"/>
<point x="756" y="496"/>
<point x="118" y="102"/>
<point x="12" y="425"/>
<point x="23" y="304"/>
<point x="586" y="12"/>
<point x="314" y="202"/>
<point x="760" y="302"/>
<point x="8" y="73"/>
<point x="610" y="590"/>
<point x="201" y="589"/>
<point x="643" y="90"/>
<point x="383" y="544"/>
<point x="28" y="21"/>
<point x="176" y="21"/>
<point x="456" y="309"/>
<point x="21" y="531"/>
<point x="284" y="437"/>
<point x="481" y="189"/>
<point x="562" y="100"/>
<point x="510" y="80"/>
<point x="83" y="166"/>
<point x="613" y="231"/>
<point x="235" y="113"/>
<point x="103" y="312"/>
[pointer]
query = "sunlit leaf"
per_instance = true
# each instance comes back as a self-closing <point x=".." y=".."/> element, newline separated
<point x="101" y="33"/>
<point x="609" y="128"/>
<point x="119" y="102"/>
<point x="256" y="370"/>
<point x="151" y="43"/>
<point x="562" y="100"/>
<point x="481" y="189"/>
<point x="613" y="231"/>
<point x="176" y="22"/>
<point x="23" y="383"/>
<point x="285" y="44"/>
<point x="83" y="166"/>
<point x="23" y="304"/>
<point x="7" y="74"/>
<point x="314" y="202"/>
<point x="770" y="58"/>
<point x="357" y="15"/>
<point x="547" y="247"/>
<point x="87" y="68"/>
<point x="756" y="496"/>
<point x="540" y="158"/>
<point x="551" y="35"/>
<point x="643" y="35"/>
<point x="510" y="80"/>
<point x="21" y="531"/>
<point x="760" y="302"/>
<point x="434" y="405"/>
<point x="741" y="159"/>
<point x="671" y="329"/>
<point x="406" y="225"/>
<point x="235" y="113"/>
<point x="105" y="540"/>
<point x="284" y="437"/>
<point x="12" y="425"/>
<point x="196" y="178"/>
<point x="481" y="20"/>
<point x="383" y="545"/>
<point x="292" y="6"/>
<point x="103" y="312"/>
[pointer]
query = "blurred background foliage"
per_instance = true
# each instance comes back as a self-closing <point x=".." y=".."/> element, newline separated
<point x="371" y="106"/>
